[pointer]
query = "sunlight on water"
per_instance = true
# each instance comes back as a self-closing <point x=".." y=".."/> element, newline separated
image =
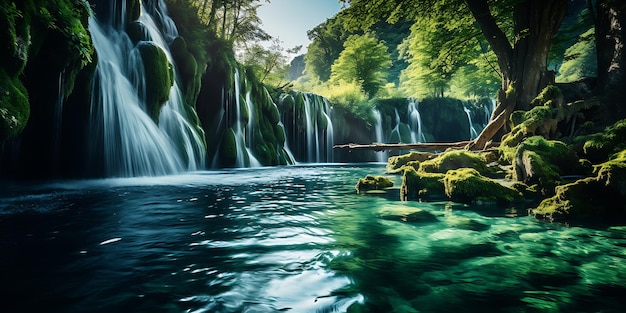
<point x="290" y="239"/>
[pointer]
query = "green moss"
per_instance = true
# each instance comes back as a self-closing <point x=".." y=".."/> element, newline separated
<point x="14" y="106"/>
<point x="543" y="162"/>
<point x="599" y="146"/>
<point x="228" y="149"/>
<point x="550" y="96"/>
<point x="159" y="77"/>
<point x="279" y="133"/>
<point x="417" y="185"/>
<point x="468" y="186"/>
<point x="540" y="120"/>
<point x="599" y="198"/>
<point x="371" y="182"/>
<point x="395" y="163"/>
<point x="456" y="159"/>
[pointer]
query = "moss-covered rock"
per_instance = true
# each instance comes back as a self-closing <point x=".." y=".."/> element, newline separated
<point x="395" y="163"/>
<point x="421" y="185"/>
<point x="14" y="106"/>
<point x="371" y="182"/>
<point x="466" y="185"/>
<point x="599" y="198"/>
<point x="159" y="77"/>
<point x="540" y="120"/>
<point x="456" y="159"/>
<point x="543" y="162"/>
<point x="600" y="146"/>
<point x="228" y="149"/>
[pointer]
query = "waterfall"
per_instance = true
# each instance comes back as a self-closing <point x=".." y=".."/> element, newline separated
<point x="396" y="129"/>
<point x="415" y="122"/>
<point x="381" y="156"/>
<point x="472" y="131"/>
<point x="124" y="137"/>
<point x="308" y="128"/>
<point x="244" y="157"/>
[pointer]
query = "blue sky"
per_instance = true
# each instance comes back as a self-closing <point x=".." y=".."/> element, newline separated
<point x="289" y="20"/>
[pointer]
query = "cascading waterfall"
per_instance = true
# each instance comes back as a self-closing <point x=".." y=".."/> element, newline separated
<point x="396" y="130"/>
<point x="309" y="127"/>
<point x="381" y="156"/>
<point x="472" y="131"/>
<point x="129" y="142"/>
<point x="243" y="149"/>
<point x="415" y="122"/>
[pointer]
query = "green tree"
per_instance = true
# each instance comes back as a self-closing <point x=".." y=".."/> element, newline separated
<point x="327" y="43"/>
<point x="364" y="61"/>
<point x="520" y="40"/>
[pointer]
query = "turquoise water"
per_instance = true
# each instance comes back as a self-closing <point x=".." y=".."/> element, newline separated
<point x="290" y="239"/>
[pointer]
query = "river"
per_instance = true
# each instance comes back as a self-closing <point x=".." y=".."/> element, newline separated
<point x="290" y="239"/>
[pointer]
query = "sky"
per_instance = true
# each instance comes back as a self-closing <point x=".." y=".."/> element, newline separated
<point x="289" y="20"/>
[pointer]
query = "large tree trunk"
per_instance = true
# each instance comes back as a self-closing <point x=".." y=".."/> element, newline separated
<point x="523" y="65"/>
<point x="610" y="43"/>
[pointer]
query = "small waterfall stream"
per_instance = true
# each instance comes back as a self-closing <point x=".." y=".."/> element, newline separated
<point x="381" y="156"/>
<point x="472" y="131"/>
<point x="415" y="122"/>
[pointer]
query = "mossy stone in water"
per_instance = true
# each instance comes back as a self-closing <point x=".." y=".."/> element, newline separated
<point x="159" y="77"/>
<point x="373" y="182"/>
<point x="466" y="185"/>
<point x="418" y="185"/>
<point x="454" y="160"/>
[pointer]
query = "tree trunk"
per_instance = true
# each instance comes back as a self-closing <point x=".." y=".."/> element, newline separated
<point x="524" y="64"/>
<point x="610" y="44"/>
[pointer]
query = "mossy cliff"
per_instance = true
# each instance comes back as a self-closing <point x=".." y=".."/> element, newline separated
<point x="45" y="48"/>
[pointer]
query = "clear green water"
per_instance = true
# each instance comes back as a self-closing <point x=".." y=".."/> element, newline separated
<point x="290" y="239"/>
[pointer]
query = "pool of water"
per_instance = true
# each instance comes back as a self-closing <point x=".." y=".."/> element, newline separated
<point x="290" y="239"/>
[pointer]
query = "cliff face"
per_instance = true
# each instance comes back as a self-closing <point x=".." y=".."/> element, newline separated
<point x="46" y="64"/>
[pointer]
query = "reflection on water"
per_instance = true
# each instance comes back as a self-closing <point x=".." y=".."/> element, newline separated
<point x="289" y="239"/>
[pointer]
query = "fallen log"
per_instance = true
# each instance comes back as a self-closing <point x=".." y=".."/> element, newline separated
<point x="429" y="146"/>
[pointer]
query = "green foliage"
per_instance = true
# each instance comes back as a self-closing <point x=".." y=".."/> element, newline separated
<point x="363" y="61"/>
<point x="14" y="106"/>
<point x="327" y="43"/>
<point x="580" y="59"/>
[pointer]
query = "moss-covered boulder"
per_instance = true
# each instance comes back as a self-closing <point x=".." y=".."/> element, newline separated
<point x="371" y="182"/>
<point x="598" y="147"/>
<point x="599" y="198"/>
<point x="540" y="120"/>
<point x="395" y="163"/>
<point x="228" y="149"/>
<point x="421" y="185"/>
<point x="543" y="162"/>
<point x="14" y="106"/>
<point x="159" y="77"/>
<point x="466" y="185"/>
<point x="456" y="159"/>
